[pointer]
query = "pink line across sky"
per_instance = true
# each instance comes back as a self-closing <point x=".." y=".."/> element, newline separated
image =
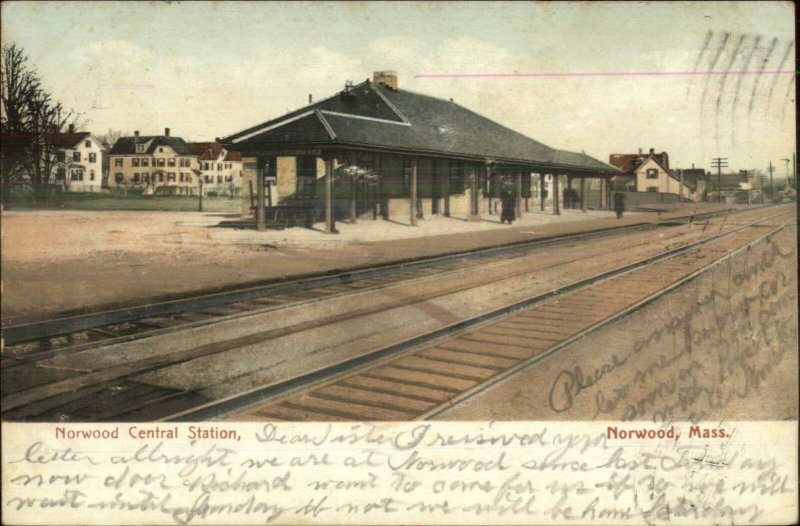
<point x="602" y="74"/>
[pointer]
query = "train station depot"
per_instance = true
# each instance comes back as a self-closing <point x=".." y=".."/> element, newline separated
<point x="376" y="151"/>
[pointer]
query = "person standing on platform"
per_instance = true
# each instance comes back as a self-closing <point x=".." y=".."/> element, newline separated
<point x="509" y="203"/>
<point x="619" y="204"/>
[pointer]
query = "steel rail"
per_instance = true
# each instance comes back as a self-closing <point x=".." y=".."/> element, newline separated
<point x="260" y="395"/>
<point x="24" y="332"/>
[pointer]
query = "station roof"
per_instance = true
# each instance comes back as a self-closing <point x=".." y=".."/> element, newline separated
<point x="376" y="116"/>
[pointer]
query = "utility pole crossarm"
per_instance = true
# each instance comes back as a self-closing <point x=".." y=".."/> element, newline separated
<point x="720" y="163"/>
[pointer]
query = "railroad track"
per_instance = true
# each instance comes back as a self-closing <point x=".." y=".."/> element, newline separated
<point x="114" y="393"/>
<point x="32" y="340"/>
<point x="429" y="378"/>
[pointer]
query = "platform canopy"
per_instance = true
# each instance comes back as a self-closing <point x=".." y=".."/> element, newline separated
<point x="375" y="117"/>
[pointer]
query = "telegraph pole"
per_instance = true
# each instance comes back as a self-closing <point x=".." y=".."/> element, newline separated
<point x="720" y="163"/>
<point x="771" y="188"/>
<point x="788" y="179"/>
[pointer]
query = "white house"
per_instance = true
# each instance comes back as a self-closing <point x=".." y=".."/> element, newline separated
<point x="79" y="163"/>
<point x="651" y="176"/>
<point x="220" y="169"/>
<point x="160" y="164"/>
<point x="651" y="172"/>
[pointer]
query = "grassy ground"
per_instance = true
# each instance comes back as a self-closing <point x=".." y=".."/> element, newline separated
<point x="103" y="201"/>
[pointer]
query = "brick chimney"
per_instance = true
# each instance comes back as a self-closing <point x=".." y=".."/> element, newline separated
<point x="166" y="132"/>
<point x="652" y="151"/>
<point x="136" y="133"/>
<point x="388" y="78"/>
<point x="71" y="128"/>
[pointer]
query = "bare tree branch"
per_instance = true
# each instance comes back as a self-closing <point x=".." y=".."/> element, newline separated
<point x="30" y="121"/>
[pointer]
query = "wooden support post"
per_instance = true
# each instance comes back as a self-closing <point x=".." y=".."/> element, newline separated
<point x="583" y="190"/>
<point x="382" y="207"/>
<point x="556" y="200"/>
<point x="519" y="196"/>
<point x="261" y="211"/>
<point x="529" y="186"/>
<point x="412" y="202"/>
<point x="541" y="192"/>
<point x="490" y="187"/>
<point x="601" y="204"/>
<point x="353" y="201"/>
<point x="474" y="206"/>
<point x="447" y="193"/>
<point x="330" y="227"/>
<point x="568" y="203"/>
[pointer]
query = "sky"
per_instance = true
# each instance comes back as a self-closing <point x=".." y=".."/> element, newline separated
<point x="598" y="77"/>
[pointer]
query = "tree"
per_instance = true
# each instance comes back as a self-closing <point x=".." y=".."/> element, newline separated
<point x="109" y="138"/>
<point x="107" y="141"/>
<point x="30" y="121"/>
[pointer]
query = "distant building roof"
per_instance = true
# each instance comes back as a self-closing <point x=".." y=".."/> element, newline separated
<point x="61" y="140"/>
<point x="378" y="116"/>
<point x="207" y="151"/>
<point x="629" y="162"/>
<point x="126" y="145"/>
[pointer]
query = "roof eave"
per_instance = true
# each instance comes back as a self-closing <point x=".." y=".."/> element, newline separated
<point x="558" y="168"/>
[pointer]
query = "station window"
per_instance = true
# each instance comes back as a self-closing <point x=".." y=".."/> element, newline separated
<point x="135" y="161"/>
<point x="652" y="173"/>
<point x="118" y="177"/>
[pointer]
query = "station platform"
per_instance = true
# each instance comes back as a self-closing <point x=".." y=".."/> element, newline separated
<point x="65" y="262"/>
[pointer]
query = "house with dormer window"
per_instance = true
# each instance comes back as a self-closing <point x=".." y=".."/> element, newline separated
<point x="73" y="159"/>
<point x="79" y="166"/>
<point x="220" y="169"/>
<point x="652" y="172"/>
<point x="154" y="164"/>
